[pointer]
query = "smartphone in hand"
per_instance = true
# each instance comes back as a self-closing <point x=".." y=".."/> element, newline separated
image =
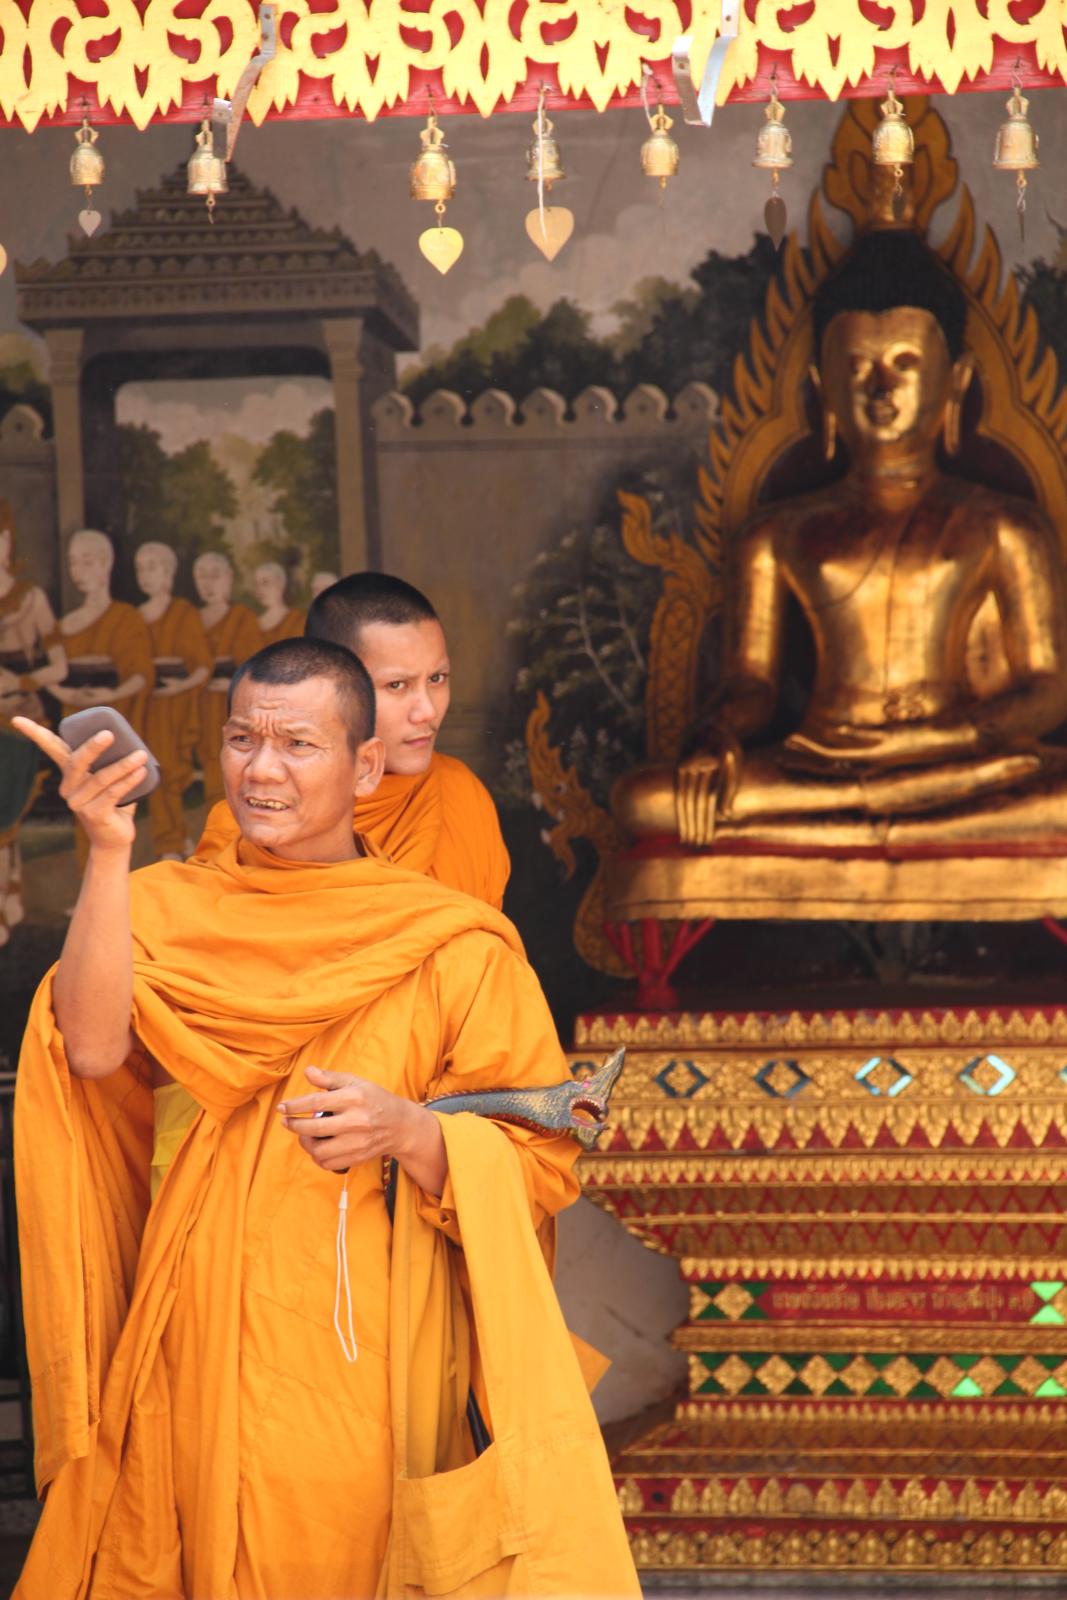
<point x="82" y="725"/>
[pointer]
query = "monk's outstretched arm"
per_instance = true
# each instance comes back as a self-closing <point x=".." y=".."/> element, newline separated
<point x="92" y="992"/>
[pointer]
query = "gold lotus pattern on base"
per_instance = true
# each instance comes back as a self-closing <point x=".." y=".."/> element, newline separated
<point x="867" y="1208"/>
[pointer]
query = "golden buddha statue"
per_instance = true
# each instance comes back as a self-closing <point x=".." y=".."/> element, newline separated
<point x="910" y="730"/>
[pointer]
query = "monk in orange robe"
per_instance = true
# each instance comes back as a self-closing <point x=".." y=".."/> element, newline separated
<point x="254" y="1384"/>
<point x="429" y="813"/>
<point x="232" y="637"/>
<point x="108" y="647"/>
<point x="107" y="643"/>
<point x="277" y="620"/>
<point x="183" y="661"/>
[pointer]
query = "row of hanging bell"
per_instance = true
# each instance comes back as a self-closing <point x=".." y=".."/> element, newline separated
<point x="87" y="173"/>
<point x="1016" y="148"/>
<point x="774" y="153"/>
<point x="433" y="178"/>
<point x="206" y="171"/>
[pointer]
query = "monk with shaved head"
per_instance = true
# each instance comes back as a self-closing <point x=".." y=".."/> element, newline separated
<point x="261" y="1366"/>
<point x="429" y="813"/>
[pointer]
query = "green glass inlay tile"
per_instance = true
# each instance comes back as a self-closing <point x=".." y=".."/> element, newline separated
<point x="924" y="1391"/>
<point x="754" y="1314"/>
<point x="1050" y="1317"/>
<point x="880" y="1387"/>
<point x="967" y="1389"/>
<point x="837" y="1387"/>
<point x="882" y="1359"/>
<point x="1050" y="1390"/>
<point x="1049" y="1362"/>
<point x="755" y="1387"/>
<point x="799" y="1388"/>
<point x="1047" y="1291"/>
<point x="839" y="1360"/>
<point x="1010" y="1391"/>
<point x="924" y="1363"/>
<point x="965" y="1362"/>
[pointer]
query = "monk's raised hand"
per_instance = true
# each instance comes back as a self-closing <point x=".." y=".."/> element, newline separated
<point x="95" y="798"/>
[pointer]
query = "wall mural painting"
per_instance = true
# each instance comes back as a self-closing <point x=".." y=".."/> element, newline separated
<point x="536" y="459"/>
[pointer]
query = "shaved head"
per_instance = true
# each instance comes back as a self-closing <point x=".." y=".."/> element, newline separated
<point x="342" y="611"/>
<point x="290" y="661"/>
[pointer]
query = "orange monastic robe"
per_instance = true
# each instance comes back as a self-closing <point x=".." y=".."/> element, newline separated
<point x="119" y="641"/>
<point x="172" y="725"/>
<point x="197" y="1424"/>
<point x="232" y="640"/>
<point x="290" y="627"/>
<point x="441" y="822"/>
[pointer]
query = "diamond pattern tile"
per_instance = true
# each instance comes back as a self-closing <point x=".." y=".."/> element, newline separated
<point x="859" y="1375"/>
<point x="988" y="1075"/>
<point x="901" y="1375"/>
<point x="1029" y="1375"/>
<point x="733" y="1374"/>
<point x="884" y="1076"/>
<point x="818" y="1374"/>
<point x="775" y="1374"/>
<point x="987" y="1375"/>
<point x="943" y="1376"/>
<point x="680" y="1079"/>
<point x="782" y="1080"/>
<point x="733" y="1301"/>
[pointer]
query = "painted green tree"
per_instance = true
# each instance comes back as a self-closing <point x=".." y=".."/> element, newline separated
<point x="302" y="472"/>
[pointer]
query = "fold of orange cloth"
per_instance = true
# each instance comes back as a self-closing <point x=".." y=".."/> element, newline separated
<point x="441" y="822"/>
<point x="197" y="1424"/>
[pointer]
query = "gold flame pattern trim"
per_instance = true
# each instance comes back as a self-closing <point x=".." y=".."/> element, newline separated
<point x="364" y="54"/>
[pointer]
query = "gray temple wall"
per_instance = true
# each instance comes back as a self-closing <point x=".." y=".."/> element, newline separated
<point x="469" y="497"/>
<point x="27" y="482"/>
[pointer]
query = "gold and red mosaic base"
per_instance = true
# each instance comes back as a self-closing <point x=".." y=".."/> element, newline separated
<point x="868" y="1208"/>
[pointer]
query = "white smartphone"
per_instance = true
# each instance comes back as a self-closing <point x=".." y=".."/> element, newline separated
<point x="80" y="726"/>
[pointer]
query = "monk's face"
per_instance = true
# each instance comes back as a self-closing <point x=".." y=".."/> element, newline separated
<point x="268" y="585"/>
<point x="887" y="376"/>
<point x="213" y="579"/>
<point x="89" y="564"/>
<point x="155" y="574"/>
<point x="290" y="774"/>
<point x="410" y="671"/>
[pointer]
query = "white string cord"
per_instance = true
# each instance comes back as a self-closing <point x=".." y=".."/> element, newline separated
<point x="348" y="1343"/>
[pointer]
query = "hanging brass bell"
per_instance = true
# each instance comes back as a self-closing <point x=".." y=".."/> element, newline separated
<point x="893" y="143"/>
<point x="659" y="153"/>
<point x="433" y="175"/>
<point x="86" y="164"/>
<point x="1016" y="146"/>
<point x="774" y="143"/>
<point x="207" y="171"/>
<point x="542" y="158"/>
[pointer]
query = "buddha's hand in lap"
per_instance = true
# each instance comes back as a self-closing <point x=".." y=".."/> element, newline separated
<point x="705" y="786"/>
<point x="905" y="744"/>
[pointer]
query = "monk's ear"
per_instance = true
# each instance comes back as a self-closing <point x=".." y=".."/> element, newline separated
<point x="370" y="764"/>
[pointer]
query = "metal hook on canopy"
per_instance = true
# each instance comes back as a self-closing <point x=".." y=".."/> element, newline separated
<point x="228" y="113"/>
<point x="698" y="107"/>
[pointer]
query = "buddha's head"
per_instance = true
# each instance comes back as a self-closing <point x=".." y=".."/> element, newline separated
<point x="213" y="576"/>
<point x="889" y="329"/>
<point x="90" y="558"/>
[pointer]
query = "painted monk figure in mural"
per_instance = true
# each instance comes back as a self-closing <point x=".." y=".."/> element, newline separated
<point x="233" y="636"/>
<point x="183" y="661"/>
<point x="202" y="1423"/>
<point x="32" y="658"/>
<point x="429" y="813"/>
<point x="277" y="620"/>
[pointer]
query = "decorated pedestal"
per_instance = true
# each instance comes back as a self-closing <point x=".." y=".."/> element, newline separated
<point x="868" y="1209"/>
